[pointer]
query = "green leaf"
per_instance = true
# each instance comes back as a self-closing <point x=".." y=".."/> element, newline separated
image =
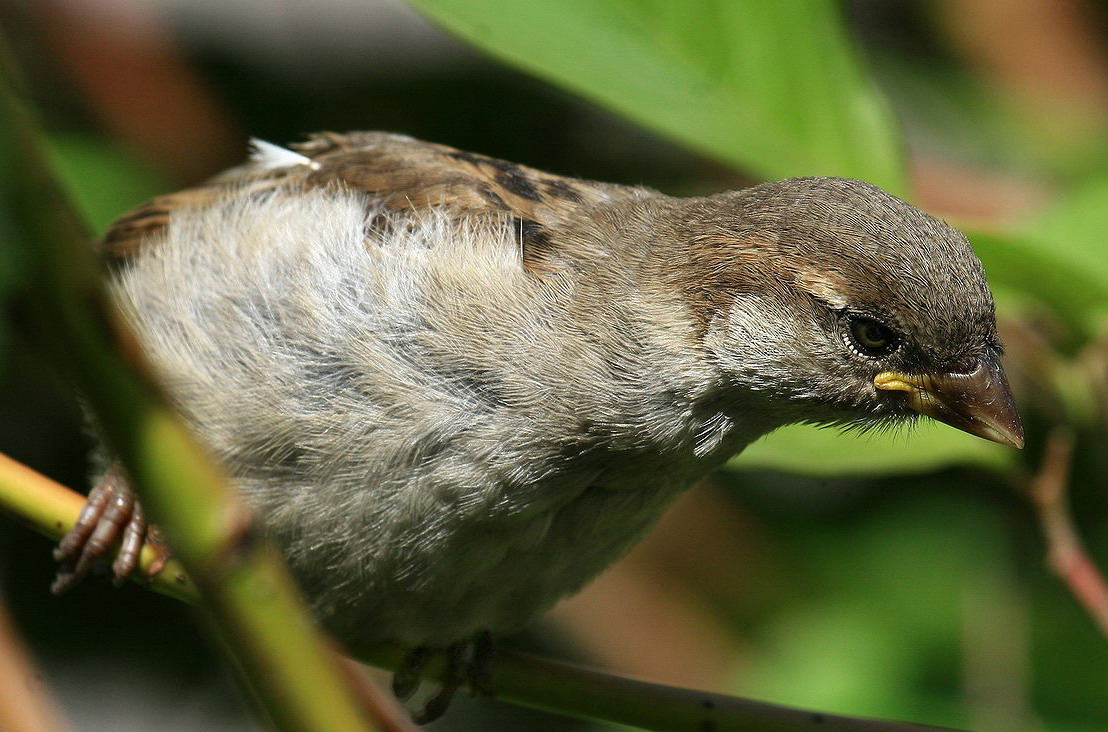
<point x="772" y="87"/>
<point x="104" y="181"/>
<point x="1060" y="258"/>
<point x="1074" y="233"/>
<point x="808" y="450"/>
<point x="1076" y="226"/>
<point x="1052" y="270"/>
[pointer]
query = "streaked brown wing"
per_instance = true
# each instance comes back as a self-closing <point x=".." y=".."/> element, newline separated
<point x="403" y="174"/>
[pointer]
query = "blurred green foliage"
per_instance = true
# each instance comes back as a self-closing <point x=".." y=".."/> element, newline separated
<point x="103" y="178"/>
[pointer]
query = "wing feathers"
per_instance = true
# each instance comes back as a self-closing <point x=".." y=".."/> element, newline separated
<point x="399" y="172"/>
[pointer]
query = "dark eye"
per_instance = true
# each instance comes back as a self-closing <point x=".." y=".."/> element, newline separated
<point x="872" y="337"/>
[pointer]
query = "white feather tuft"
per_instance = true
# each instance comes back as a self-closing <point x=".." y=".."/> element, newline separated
<point x="271" y="157"/>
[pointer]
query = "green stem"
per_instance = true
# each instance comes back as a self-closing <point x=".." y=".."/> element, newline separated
<point x="243" y="583"/>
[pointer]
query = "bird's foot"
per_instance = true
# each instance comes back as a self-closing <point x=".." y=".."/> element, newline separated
<point x="467" y="662"/>
<point x="112" y="514"/>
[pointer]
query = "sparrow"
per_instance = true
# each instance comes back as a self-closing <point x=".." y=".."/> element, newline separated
<point x="456" y="388"/>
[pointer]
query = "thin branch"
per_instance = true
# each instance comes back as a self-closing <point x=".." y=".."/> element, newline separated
<point x="590" y="694"/>
<point x="1066" y="554"/>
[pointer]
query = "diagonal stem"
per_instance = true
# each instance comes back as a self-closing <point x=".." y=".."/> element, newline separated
<point x="1066" y="554"/>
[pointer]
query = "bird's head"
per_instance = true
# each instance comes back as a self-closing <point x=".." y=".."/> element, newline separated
<point x="830" y="301"/>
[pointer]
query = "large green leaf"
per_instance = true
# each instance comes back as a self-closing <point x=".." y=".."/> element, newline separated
<point x="827" y="452"/>
<point x="772" y="87"/>
<point x="1060" y="258"/>
<point x="1073" y="235"/>
<point x="1052" y="268"/>
<point x="1076" y="227"/>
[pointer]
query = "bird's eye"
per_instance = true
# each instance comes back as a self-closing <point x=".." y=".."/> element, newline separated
<point x="872" y="337"/>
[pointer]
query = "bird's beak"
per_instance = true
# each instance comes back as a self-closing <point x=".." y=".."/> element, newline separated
<point x="979" y="402"/>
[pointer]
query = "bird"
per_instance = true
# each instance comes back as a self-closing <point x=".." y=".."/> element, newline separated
<point x="455" y="388"/>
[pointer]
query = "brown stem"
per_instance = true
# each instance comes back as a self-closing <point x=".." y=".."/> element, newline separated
<point x="1065" y="552"/>
<point x="25" y="702"/>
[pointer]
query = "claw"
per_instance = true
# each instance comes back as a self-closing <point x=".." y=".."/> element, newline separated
<point x="468" y="662"/>
<point x="437" y="705"/>
<point x="457" y="663"/>
<point x="71" y="545"/>
<point x="111" y="515"/>
<point x="405" y="679"/>
<point x="130" y="545"/>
